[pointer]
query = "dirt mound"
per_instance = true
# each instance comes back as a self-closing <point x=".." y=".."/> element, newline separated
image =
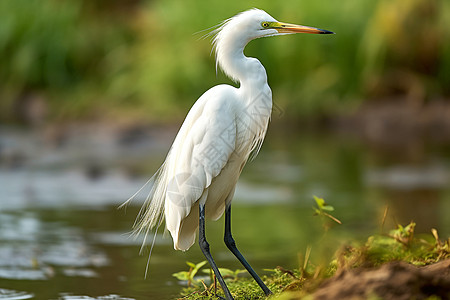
<point x="395" y="280"/>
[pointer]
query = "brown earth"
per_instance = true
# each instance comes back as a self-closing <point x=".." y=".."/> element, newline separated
<point x="395" y="280"/>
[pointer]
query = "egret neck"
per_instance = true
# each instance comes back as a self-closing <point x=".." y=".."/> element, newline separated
<point x="248" y="71"/>
<point x="254" y="89"/>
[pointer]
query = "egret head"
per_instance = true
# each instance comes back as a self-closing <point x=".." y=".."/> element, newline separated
<point x="256" y="23"/>
<point x="233" y="34"/>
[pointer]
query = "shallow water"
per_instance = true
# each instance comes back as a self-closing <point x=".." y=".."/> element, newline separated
<point x="62" y="236"/>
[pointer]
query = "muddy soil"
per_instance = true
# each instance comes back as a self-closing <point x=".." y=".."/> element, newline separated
<point x="395" y="280"/>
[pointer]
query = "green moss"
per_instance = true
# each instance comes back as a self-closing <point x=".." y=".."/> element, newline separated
<point x="399" y="245"/>
<point x="246" y="288"/>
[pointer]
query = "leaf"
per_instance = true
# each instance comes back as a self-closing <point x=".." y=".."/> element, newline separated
<point x="226" y="272"/>
<point x="320" y="202"/>
<point x="270" y="270"/>
<point x="199" y="265"/>
<point x="328" y="208"/>
<point x="196" y="268"/>
<point x="183" y="275"/>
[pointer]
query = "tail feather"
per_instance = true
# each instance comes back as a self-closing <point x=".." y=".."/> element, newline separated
<point x="151" y="213"/>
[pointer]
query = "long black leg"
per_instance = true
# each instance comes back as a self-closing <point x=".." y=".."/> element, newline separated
<point x="231" y="244"/>
<point x="204" y="246"/>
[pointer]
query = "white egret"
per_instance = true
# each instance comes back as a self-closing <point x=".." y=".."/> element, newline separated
<point x="221" y="131"/>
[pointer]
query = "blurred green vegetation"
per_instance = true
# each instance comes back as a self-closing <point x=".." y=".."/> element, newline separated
<point x="147" y="59"/>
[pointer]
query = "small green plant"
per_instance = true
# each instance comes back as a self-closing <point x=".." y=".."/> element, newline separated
<point x="441" y="248"/>
<point x="323" y="209"/>
<point x="189" y="275"/>
<point x="404" y="235"/>
<point x="399" y="245"/>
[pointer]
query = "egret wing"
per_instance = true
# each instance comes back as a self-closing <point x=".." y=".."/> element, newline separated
<point x="200" y="152"/>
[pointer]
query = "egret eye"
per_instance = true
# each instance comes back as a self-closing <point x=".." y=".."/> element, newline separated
<point x="265" y="24"/>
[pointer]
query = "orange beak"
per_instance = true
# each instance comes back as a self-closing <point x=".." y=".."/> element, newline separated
<point x="292" y="28"/>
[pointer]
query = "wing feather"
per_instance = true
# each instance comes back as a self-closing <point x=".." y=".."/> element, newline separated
<point x="198" y="155"/>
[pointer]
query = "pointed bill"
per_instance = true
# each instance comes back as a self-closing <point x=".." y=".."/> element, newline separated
<point x="293" y="28"/>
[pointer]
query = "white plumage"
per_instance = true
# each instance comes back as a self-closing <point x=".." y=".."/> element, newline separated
<point x="223" y="128"/>
<point x="216" y="138"/>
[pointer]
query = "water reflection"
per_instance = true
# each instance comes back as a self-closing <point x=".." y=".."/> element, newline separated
<point x="107" y="297"/>
<point x="404" y="206"/>
<point x="14" y="295"/>
<point x="32" y="249"/>
<point x="412" y="193"/>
